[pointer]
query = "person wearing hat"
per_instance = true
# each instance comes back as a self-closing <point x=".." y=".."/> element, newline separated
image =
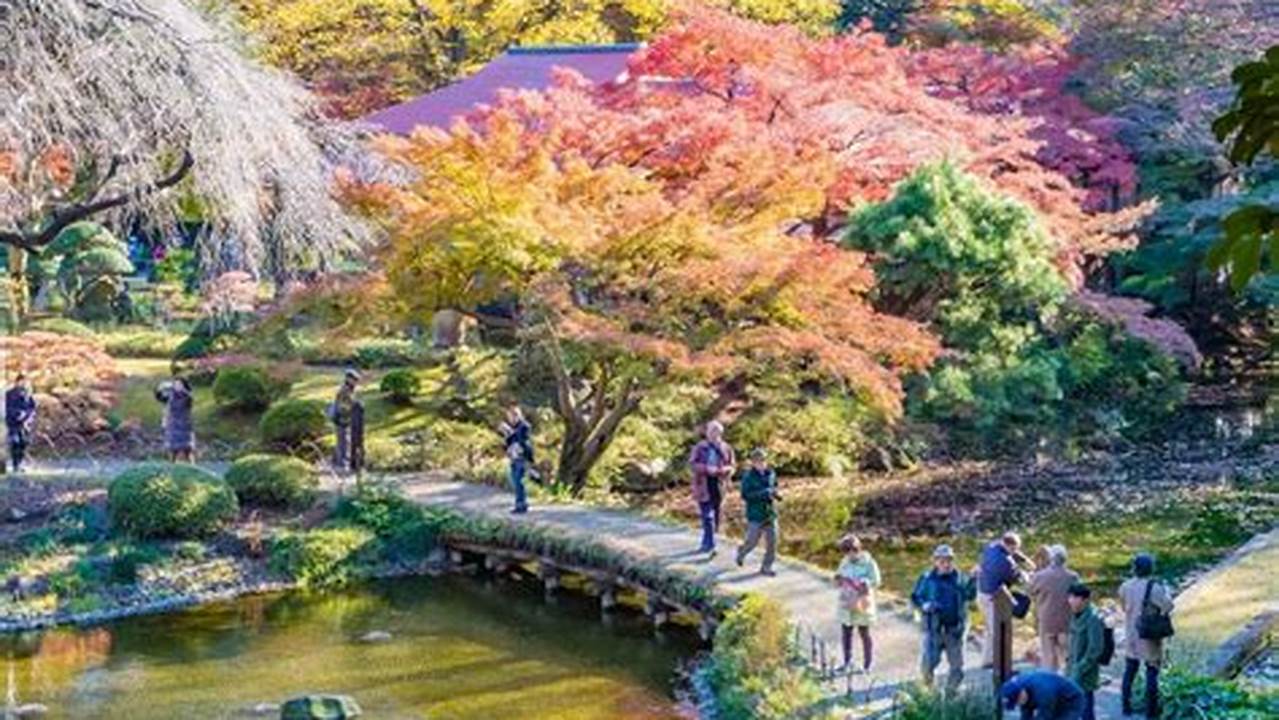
<point x="340" y="411"/>
<point x="1087" y="645"/>
<point x="759" y="491"/>
<point x="942" y="595"/>
<point x="857" y="577"/>
<point x="711" y="461"/>
<point x="19" y="419"/>
<point x="1136" y="594"/>
<point x="1043" y="695"/>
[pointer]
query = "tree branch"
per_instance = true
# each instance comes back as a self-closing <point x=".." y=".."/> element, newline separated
<point x="65" y="216"/>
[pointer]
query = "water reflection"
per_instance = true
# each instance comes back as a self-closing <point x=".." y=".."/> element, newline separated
<point x="456" y="651"/>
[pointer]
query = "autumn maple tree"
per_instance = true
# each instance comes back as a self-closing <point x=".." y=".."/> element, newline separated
<point x="626" y="279"/>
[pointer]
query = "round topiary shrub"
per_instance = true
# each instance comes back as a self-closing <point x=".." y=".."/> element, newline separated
<point x="273" y="481"/>
<point x="242" y="388"/>
<point x="401" y="386"/>
<point x="294" y="425"/>
<point x="162" y="500"/>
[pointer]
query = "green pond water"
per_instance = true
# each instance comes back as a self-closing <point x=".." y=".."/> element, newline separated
<point x="458" y="650"/>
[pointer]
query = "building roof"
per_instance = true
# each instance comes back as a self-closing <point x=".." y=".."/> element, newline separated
<point x="519" y="68"/>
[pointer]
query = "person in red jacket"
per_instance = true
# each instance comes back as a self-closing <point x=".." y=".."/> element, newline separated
<point x="712" y="463"/>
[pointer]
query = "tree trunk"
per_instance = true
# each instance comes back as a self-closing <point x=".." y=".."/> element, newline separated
<point x="590" y="423"/>
<point x="19" y="290"/>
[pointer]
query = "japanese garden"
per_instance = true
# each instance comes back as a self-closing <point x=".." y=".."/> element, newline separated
<point x="640" y="359"/>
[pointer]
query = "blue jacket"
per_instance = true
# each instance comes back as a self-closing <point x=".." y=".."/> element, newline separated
<point x="997" y="569"/>
<point x="1052" y="697"/>
<point x="948" y="596"/>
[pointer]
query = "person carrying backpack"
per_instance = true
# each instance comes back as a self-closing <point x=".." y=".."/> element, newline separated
<point x="1147" y="604"/>
<point x="942" y="596"/>
<point x="1087" y="645"/>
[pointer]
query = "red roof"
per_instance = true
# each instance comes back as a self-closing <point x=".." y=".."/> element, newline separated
<point x="519" y="68"/>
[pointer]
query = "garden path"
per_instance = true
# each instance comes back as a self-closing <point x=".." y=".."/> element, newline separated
<point x="804" y="590"/>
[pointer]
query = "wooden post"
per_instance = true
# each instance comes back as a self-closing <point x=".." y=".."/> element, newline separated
<point x="1003" y="651"/>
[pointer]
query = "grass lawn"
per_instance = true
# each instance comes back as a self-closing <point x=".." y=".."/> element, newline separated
<point x="223" y="433"/>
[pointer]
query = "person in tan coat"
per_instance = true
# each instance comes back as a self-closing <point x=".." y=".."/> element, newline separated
<point x="1049" y="588"/>
<point x="1133" y="596"/>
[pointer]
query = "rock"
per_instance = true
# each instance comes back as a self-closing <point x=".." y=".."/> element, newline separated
<point x="15" y="515"/>
<point x="265" y="708"/>
<point x="320" y="707"/>
<point x="30" y="710"/>
<point x="877" y="459"/>
<point x="643" y="477"/>
<point x="21" y="587"/>
<point x="376" y="636"/>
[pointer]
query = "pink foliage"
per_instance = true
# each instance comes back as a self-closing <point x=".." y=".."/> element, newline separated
<point x="1134" y="317"/>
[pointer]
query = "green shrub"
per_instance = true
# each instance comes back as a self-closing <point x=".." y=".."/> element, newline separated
<point x="322" y="558"/>
<point x="242" y="388"/>
<point x="385" y="353"/>
<point x="198" y="345"/>
<point x="401" y="386"/>
<point x="1185" y="696"/>
<point x="814" y="437"/>
<point x="62" y="326"/>
<point x="755" y="671"/>
<point x="919" y="703"/>
<point x="273" y="481"/>
<point x="252" y="387"/>
<point x="169" y="501"/>
<point x="1024" y="367"/>
<point x="294" y="425"/>
<point x="403" y="526"/>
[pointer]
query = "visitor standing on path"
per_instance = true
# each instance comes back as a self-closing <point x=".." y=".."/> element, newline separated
<point x="1142" y="595"/>
<point x="179" y="423"/>
<point x="759" y="491"/>
<point x="942" y="595"/>
<point x="1087" y="645"/>
<point x="997" y="573"/>
<point x="340" y="412"/>
<point x="1042" y="695"/>
<point x="712" y="462"/>
<point x="19" y="419"/>
<point x="1048" y="589"/>
<point x="517" y="437"/>
<point x="857" y="578"/>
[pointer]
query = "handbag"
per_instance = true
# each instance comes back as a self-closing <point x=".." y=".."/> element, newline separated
<point x="1153" y="624"/>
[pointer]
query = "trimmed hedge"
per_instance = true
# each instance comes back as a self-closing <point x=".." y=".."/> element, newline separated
<point x="163" y="500"/>
<point x="276" y="481"/>
<point x="243" y="388"/>
<point x="401" y="386"/>
<point x="294" y="425"/>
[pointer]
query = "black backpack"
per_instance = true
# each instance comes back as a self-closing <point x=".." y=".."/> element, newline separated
<point x="1107" y="644"/>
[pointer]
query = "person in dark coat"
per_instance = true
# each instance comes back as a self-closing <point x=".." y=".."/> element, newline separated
<point x="1043" y="695"/>
<point x="339" y="412"/>
<point x="179" y="428"/>
<point x="357" y="437"/>
<point x="517" y="437"/>
<point x="1087" y="645"/>
<point x="19" y="419"/>
<point x="759" y="491"/>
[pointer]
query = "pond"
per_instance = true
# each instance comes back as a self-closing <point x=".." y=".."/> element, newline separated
<point x="458" y="649"/>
